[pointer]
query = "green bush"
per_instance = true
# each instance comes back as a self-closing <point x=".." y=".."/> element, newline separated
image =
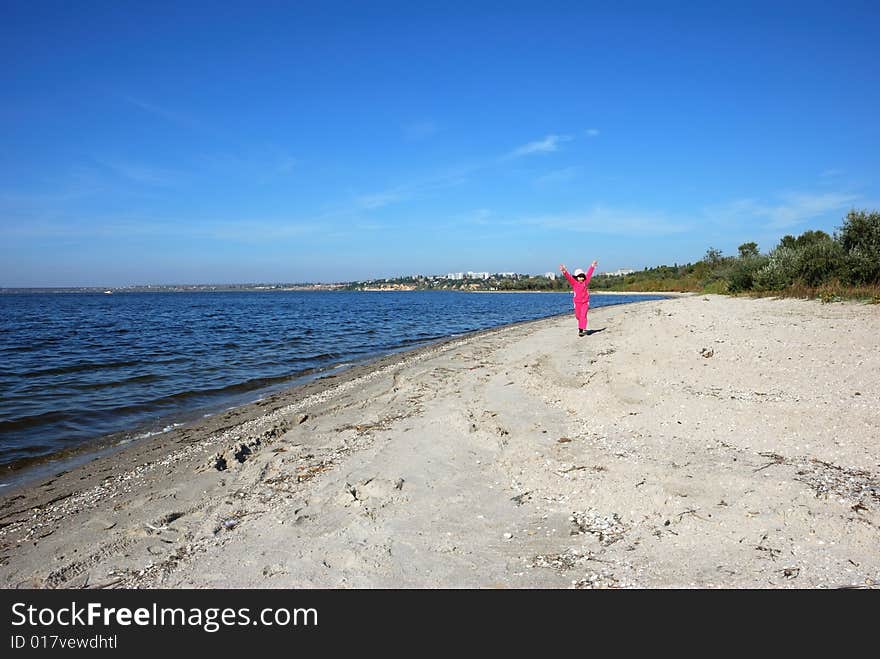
<point x="820" y="261"/>
<point x="860" y="239"/>
<point x="780" y="270"/>
<point x="741" y="276"/>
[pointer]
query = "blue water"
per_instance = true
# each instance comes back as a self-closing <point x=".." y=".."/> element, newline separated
<point x="77" y="367"/>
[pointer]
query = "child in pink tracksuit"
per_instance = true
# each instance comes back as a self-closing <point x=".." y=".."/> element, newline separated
<point x="580" y="284"/>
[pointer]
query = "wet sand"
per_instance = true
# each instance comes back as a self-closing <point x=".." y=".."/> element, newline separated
<point x="703" y="441"/>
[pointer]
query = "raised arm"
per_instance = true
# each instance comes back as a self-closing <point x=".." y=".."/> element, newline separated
<point x="567" y="276"/>
<point x="590" y="270"/>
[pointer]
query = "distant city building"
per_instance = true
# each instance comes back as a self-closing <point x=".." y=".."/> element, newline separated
<point x="620" y="273"/>
<point x="478" y="275"/>
<point x="550" y="275"/>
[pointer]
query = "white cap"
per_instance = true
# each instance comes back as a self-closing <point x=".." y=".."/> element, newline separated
<point x="579" y="272"/>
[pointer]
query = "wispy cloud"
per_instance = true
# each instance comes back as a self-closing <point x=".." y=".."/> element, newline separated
<point x="260" y="231"/>
<point x="548" y="145"/>
<point x="788" y="210"/>
<point x="467" y="219"/>
<point x="172" y="116"/>
<point x="373" y="226"/>
<point x="614" y="221"/>
<point x="451" y="177"/>
<point x="592" y="132"/>
<point x="799" y="207"/>
<point x="412" y="190"/>
<point x="380" y="199"/>
<point x="237" y="231"/>
<point x="480" y="216"/>
<point x="41" y="200"/>
<point x="259" y="165"/>
<point x="141" y="173"/>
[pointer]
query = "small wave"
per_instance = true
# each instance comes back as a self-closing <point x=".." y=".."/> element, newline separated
<point x="182" y="398"/>
<point x="81" y="366"/>
<point x="137" y="379"/>
<point x="312" y="358"/>
<point x="31" y="347"/>
<point x="33" y="420"/>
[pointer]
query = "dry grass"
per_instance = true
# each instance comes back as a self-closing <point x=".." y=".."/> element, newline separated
<point x="831" y="292"/>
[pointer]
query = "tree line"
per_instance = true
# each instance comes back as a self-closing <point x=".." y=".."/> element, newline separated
<point x="845" y="264"/>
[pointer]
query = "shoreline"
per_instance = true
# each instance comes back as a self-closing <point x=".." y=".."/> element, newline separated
<point x="22" y="473"/>
<point x="108" y="446"/>
<point x="522" y="456"/>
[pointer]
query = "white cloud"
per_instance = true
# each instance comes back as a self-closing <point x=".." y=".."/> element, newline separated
<point x="789" y="210"/>
<point x="548" y="145"/>
<point x="615" y="221"/>
<point x="478" y="216"/>
<point x="592" y="132"/>
<point x="800" y="207"/>
<point x="378" y="200"/>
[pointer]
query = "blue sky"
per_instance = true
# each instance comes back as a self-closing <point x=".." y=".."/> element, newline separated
<point x="225" y="142"/>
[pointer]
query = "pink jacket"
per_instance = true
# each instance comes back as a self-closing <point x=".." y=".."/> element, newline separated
<point x="581" y="290"/>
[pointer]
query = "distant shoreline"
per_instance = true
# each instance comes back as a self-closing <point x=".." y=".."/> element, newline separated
<point x="305" y="289"/>
<point x="182" y="288"/>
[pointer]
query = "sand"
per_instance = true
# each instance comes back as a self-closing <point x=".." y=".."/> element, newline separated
<point x="703" y="441"/>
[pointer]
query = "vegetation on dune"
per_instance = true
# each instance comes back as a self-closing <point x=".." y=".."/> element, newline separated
<point x="814" y="264"/>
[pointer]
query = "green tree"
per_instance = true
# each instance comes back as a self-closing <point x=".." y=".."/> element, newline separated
<point x="748" y="250"/>
<point x="713" y="257"/>
<point x="808" y="238"/>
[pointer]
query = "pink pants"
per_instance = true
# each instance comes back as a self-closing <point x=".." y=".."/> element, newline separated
<point x="580" y="312"/>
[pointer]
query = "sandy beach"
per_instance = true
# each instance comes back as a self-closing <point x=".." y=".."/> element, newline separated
<point x="701" y="441"/>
